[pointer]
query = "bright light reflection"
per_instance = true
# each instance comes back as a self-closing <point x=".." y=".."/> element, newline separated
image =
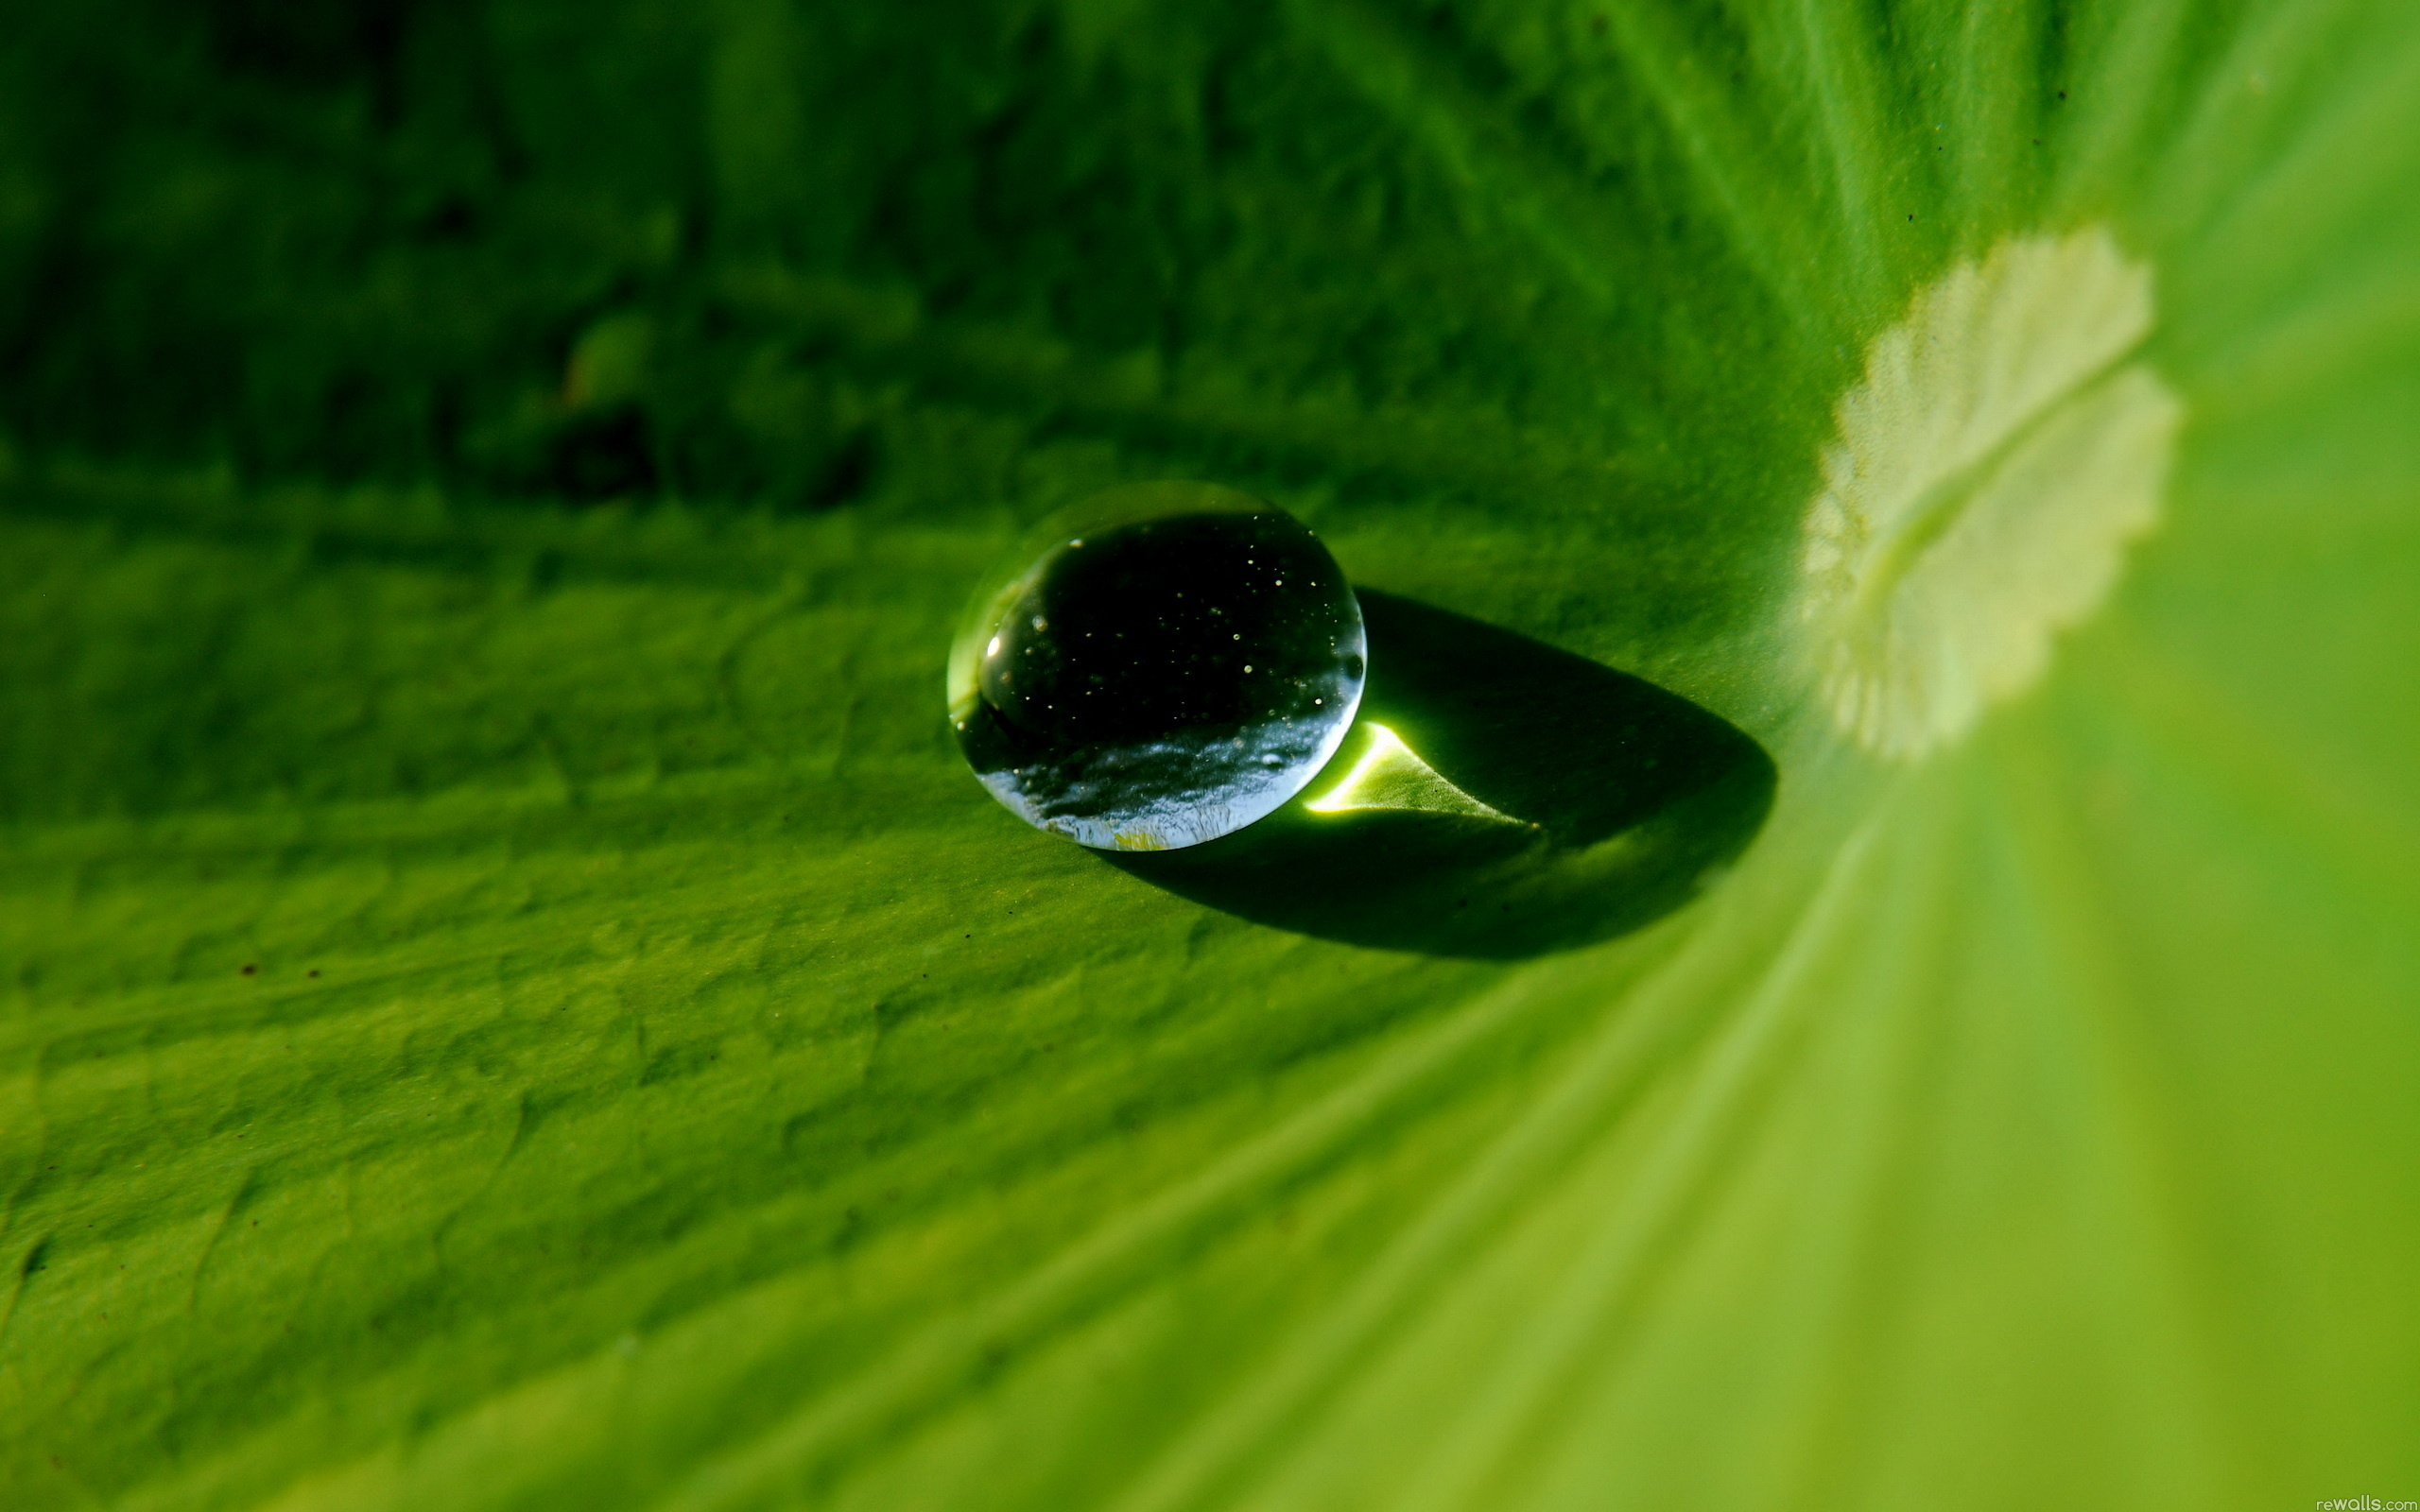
<point x="1391" y="774"/>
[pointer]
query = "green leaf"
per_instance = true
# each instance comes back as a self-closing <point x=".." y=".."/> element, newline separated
<point x="511" y="1000"/>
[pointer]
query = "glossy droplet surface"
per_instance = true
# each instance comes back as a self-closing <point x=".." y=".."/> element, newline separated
<point x="1175" y="662"/>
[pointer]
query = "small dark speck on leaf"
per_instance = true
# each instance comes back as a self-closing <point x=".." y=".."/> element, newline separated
<point x="248" y="968"/>
<point x="313" y="972"/>
<point x="454" y="217"/>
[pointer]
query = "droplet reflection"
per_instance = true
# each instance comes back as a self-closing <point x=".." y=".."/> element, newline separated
<point x="1176" y="663"/>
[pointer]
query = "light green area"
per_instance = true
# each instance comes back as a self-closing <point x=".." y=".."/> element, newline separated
<point x="708" y="1098"/>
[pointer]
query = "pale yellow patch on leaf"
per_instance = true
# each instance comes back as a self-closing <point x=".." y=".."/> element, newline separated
<point x="2004" y="446"/>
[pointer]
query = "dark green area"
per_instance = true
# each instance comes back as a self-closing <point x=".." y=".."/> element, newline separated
<point x="723" y="253"/>
<point x="759" y="259"/>
<point x="1622" y="801"/>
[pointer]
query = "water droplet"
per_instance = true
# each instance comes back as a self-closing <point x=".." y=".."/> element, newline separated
<point x="1188" y="740"/>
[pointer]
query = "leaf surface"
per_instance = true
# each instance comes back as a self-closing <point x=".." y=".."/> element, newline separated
<point x="511" y="1000"/>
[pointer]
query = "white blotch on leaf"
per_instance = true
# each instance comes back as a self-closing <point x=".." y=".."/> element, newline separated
<point x="2002" y="449"/>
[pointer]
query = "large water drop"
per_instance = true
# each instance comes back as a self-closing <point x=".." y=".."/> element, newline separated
<point x="1175" y="661"/>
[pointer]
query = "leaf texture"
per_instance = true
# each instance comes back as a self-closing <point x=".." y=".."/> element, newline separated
<point x="510" y="999"/>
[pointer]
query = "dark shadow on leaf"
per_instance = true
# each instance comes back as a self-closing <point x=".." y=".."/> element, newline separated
<point x="1632" y="797"/>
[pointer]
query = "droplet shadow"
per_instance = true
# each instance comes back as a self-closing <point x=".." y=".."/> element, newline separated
<point x="1632" y="797"/>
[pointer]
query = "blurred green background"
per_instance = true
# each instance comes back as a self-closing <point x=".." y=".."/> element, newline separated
<point x="510" y="999"/>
